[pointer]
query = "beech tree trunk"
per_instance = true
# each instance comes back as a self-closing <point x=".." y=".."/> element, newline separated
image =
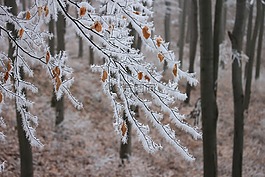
<point x="60" y="26"/>
<point x="26" y="164"/>
<point x="167" y="28"/>
<point x="236" y="38"/>
<point x="182" y="31"/>
<point x="251" y="57"/>
<point x="193" y="42"/>
<point x="259" y="50"/>
<point x="208" y="101"/>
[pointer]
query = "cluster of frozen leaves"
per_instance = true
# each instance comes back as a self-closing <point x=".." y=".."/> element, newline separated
<point x="105" y="28"/>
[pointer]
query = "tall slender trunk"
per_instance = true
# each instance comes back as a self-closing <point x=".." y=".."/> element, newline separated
<point x="216" y="41"/>
<point x="236" y="38"/>
<point x="60" y="26"/>
<point x="193" y="41"/>
<point x="251" y="57"/>
<point x="259" y="50"/>
<point x="167" y="27"/>
<point x="182" y="31"/>
<point x="26" y="164"/>
<point x="208" y="101"/>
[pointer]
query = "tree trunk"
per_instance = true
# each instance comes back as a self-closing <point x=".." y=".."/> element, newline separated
<point x="216" y="41"/>
<point x="208" y="101"/>
<point x="236" y="38"/>
<point x="182" y="31"/>
<point x="259" y="50"/>
<point x="249" y="34"/>
<point x="193" y="42"/>
<point x="167" y="28"/>
<point x="251" y="57"/>
<point x="26" y="164"/>
<point x="60" y="26"/>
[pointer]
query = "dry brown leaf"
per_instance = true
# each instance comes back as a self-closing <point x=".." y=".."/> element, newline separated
<point x="58" y="83"/>
<point x="6" y="76"/>
<point x="46" y="10"/>
<point x="147" y="78"/>
<point x="146" y="32"/>
<point x="123" y="128"/>
<point x="175" y="70"/>
<point x="28" y="15"/>
<point x="160" y="56"/>
<point x="20" y="33"/>
<point x="1" y="97"/>
<point x="56" y="71"/>
<point x="136" y="12"/>
<point x="48" y="56"/>
<point x="9" y="66"/>
<point x="140" y="75"/>
<point x="159" y="41"/>
<point x="97" y="26"/>
<point x="39" y="11"/>
<point x="82" y="11"/>
<point x="104" y="76"/>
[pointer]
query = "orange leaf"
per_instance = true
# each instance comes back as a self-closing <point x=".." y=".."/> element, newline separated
<point x="97" y="26"/>
<point x="175" y="70"/>
<point x="28" y="15"/>
<point x="6" y="76"/>
<point x="137" y="12"/>
<point x="146" y="32"/>
<point x="82" y="11"/>
<point x="58" y="83"/>
<point x="123" y="129"/>
<point x="9" y="66"/>
<point x="20" y="33"/>
<point x="160" y="56"/>
<point x="46" y="10"/>
<point x="39" y="11"/>
<point x="48" y="56"/>
<point x="147" y="78"/>
<point x="56" y="71"/>
<point x="1" y="97"/>
<point x="159" y="41"/>
<point x="140" y="75"/>
<point x="104" y="76"/>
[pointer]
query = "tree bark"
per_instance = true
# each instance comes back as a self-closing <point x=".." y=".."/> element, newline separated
<point x="216" y="41"/>
<point x="193" y="42"/>
<point x="182" y="31"/>
<point x="26" y="164"/>
<point x="208" y="101"/>
<point x="167" y="28"/>
<point x="259" y="50"/>
<point x="236" y="38"/>
<point x="251" y="57"/>
<point x="60" y="26"/>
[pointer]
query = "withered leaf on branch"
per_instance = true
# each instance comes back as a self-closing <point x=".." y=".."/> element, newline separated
<point x="160" y="56"/>
<point x="20" y="32"/>
<point x="46" y="10"/>
<point x="146" y="32"/>
<point x="140" y="75"/>
<point x="82" y="11"/>
<point x="97" y="26"/>
<point x="159" y="41"/>
<point x="39" y="11"/>
<point x="123" y="128"/>
<point x="9" y="66"/>
<point x="6" y="76"/>
<point x="28" y="15"/>
<point x="1" y="97"/>
<point x="104" y="76"/>
<point x="175" y="70"/>
<point x="147" y="78"/>
<point x="58" y="82"/>
<point x="48" y="56"/>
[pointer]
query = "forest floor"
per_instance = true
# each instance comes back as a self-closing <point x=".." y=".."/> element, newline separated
<point x="85" y="143"/>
